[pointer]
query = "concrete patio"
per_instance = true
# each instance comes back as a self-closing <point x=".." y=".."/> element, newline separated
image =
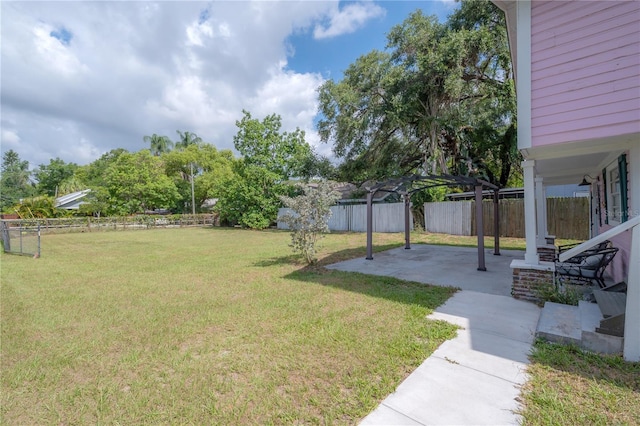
<point x="474" y="378"/>
<point x="442" y="266"/>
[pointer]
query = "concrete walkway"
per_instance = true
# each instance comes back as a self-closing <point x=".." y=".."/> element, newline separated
<point x="474" y="378"/>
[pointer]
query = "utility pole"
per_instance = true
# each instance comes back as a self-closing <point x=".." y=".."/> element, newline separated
<point x="193" y="197"/>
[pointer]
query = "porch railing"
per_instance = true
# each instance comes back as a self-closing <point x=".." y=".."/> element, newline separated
<point x="631" y="350"/>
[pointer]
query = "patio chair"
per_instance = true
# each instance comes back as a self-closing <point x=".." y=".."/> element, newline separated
<point x="578" y="258"/>
<point x="589" y="268"/>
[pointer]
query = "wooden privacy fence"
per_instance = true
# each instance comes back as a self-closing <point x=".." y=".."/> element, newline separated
<point x="566" y="217"/>
<point x="387" y="217"/>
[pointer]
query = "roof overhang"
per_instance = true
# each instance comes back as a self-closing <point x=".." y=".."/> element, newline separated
<point x="509" y="8"/>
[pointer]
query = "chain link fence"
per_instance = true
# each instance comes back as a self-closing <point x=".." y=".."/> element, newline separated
<point x="22" y="236"/>
<point x="20" y="239"/>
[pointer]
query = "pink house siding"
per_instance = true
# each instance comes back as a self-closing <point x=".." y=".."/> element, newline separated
<point x="585" y="70"/>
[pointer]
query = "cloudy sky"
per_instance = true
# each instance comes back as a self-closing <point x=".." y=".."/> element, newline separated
<point x="79" y="78"/>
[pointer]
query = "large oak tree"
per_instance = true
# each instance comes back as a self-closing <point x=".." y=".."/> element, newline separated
<point x="439" y="99"/>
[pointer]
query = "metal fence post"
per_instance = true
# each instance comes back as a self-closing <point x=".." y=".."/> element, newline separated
<point x="38" y="253"/>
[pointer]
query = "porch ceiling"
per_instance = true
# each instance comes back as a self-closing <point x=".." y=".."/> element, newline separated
<point x="567" y="163"/>
<point x="570" y="170"/>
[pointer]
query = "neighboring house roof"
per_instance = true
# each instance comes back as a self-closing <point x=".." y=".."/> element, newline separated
<point x="503" y="193"/>
<point x="72" y="201"/>
<point x="209" y="203"/>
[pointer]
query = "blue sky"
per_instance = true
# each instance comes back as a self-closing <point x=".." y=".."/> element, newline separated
<point x="81" y="78"/>
<point x="331" y="56"/>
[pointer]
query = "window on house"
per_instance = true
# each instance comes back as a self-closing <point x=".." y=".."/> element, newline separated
<point x="613" y="200"/>
<point x="615" y="191"/>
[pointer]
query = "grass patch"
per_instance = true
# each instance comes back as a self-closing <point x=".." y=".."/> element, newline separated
<point x="204" y="326"/>
<point x="574" y="387"/>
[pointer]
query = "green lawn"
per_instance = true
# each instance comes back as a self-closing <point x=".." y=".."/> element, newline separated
<point x="204" y="326"/>
<point x="573" y="387"/>
<point x="224" y="326"/>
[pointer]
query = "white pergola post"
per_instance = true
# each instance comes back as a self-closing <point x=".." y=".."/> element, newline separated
<point x="531" y="254"/>
<point x="541" y="212"/>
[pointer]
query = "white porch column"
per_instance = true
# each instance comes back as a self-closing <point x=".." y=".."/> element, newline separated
<point x="632" y="313"/>
<point x="541" y="212"/>
<point x="631" y="351"/>
<point x="531" y="254"/>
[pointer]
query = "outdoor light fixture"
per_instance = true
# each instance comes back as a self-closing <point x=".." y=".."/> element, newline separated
<point x="584" y="181"/>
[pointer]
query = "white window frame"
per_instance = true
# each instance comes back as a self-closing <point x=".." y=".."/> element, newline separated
<point x="614" y="197"/>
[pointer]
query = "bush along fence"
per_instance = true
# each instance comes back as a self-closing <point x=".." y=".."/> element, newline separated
<point x="123" y="223"/>
<point x="566" y="217"/>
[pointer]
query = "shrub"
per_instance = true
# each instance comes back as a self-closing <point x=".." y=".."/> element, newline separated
<point x="309" y="218"/>
<point x="559" y="293"/>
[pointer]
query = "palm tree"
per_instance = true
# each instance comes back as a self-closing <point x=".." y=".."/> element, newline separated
<point x="158" y="144"/>
<point x="186" y="139"/>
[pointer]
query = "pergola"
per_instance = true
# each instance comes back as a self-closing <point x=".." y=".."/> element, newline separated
<point x="407" y="185"/>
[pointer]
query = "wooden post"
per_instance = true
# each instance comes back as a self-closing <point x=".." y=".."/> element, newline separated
<point x="496" y="222"/>
<point x="407" y="222"/>
<point x="480" y="228"/>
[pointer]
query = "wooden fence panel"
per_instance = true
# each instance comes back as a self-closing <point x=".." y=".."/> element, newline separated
<point x="511" y="218"/>
<point x="449" y="217"/>
<point x="567" y="217"/>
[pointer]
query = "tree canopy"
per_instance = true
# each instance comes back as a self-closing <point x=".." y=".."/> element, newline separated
<point x="187" y="139"/>
<point x="14" y="182"/>
<point x="192" y="177"/>
<point x="136" y="182"/>
<point x="263" y="144"/>
<point x="158" y="144"/>
<point x="52" y="176"/>
<point x="439" y="99"/>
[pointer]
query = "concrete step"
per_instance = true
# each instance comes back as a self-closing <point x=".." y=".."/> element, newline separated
<point x="590" y="316"/>
<point x="611" y="303"/>
<point x="576" y="325"/>
<point x="560" y="323"/>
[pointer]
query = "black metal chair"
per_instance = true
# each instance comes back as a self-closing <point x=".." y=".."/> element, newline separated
<point x="590" y="251"/>
<point x="587" y="267"/>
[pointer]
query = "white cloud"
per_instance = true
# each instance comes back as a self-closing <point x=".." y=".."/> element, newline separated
<point x="196" y="31"/>
<point x="83" y="150"/>
<point x="348" y="20"/>
<point x="9" y="139"/>
<point x="135" y="68"/>
<point x="53" y="53"/>
<point x="293" y="95"/>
